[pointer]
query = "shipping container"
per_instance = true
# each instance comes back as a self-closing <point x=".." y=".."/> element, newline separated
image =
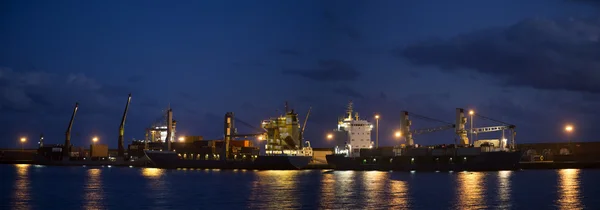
<point x="98" y="150"/>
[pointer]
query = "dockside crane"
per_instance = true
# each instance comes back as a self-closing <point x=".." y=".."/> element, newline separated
<point x="122" y="128"/>
<point x="405" y="124"/>
<point x="503" y="127"/>
<point x="67" y="146"/>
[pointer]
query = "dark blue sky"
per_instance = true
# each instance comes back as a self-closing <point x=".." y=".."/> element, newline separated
<point x="532" y="63"/>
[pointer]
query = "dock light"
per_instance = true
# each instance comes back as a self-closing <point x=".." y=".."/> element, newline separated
<point x="23" y="140"/>
<point x="181" y="139"/>
<point x="329" y="136"/>
<point x="569" y="128"/>
<point x="398" y="134"/>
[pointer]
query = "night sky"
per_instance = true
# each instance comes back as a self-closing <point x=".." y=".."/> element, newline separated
<point x="535" y="64"/>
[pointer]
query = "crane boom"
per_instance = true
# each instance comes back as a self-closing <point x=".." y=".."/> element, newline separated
<point x="304" y="124"/>
<point x="122" y="128"/>
<point x="431" y="130"/>
<point x="491" y="129"/>
<point x="67" y="145"/>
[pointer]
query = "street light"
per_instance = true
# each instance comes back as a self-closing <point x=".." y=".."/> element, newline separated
<point x="181" y="139"/>
<point x="398" y="134"/>
<point x="95" y="139"/>
<point x="23" y="140"/>
<point x="329" y="136"/>
<point x="376" y="131"/>
<point x="569" y="129"/>
<point x="471" y="113"/>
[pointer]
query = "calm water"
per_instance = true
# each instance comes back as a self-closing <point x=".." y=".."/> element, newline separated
<point x="38" y="187"/>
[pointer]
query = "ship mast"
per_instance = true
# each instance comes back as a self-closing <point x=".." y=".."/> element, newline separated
<point x="349" y="111"/>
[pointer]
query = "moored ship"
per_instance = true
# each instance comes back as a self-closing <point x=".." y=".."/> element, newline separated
<point x="482" y="155"/>
<point x="284" y="149"/>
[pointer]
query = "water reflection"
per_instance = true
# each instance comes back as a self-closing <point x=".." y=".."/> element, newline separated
<point x="399" y="194"/>
<point x="21" y="196"/>
<point x="568" y="192"/>
<point x="275" y="190"/>
<point x="157" y="190"/>
<point x="328" y="192"/>
<point x="152" y="173"/>
<point x="504" y="189"/>
<point x="471" y="190"/>
<point x="374" y="182"/>
<point x="94" y="194"/>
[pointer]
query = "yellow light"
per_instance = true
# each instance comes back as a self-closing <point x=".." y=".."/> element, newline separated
<point x="181" y="139"/>
<point x="471" y="112"/>
<point x="569" y="128"/>
<point x="23" y="139"/>
<point x="95" y="139"/>
<point x="260" y="137"/>
<point x="376" y="116"/>
<point x="398" y="134"/>
<point x="329" y="136"/>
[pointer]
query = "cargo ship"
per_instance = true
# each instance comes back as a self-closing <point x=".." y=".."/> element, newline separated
<point x="283" y="150"/>
<point x="354" y="150"/>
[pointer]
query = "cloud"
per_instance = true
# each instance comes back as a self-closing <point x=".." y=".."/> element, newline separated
<point x="349" y="92"/>
<point x="539" y="53"/>
<point x="327" y="71"/>
<point x="50" y="93"/>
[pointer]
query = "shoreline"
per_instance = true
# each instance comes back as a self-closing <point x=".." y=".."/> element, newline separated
<point x="539" y="165"/>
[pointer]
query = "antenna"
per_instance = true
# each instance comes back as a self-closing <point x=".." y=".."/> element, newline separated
<point x="349" y="111"/>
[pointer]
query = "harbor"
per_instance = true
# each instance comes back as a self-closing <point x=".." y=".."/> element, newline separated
<point x="284" y="146"/>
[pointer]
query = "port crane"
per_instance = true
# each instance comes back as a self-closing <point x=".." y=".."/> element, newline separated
<point x="505" y="126"/>
<point x="405" y="124"/>
<point x="304" y="126"/>
<point x="67" y="146"/>
<point x="122" y="128"/>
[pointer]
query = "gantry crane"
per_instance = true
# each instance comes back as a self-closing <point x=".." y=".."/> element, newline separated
<point x="503" y="127"/>
<point x="405" y="124"/>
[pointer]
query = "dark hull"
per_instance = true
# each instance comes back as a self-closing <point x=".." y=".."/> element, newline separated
<point x="39" y="160"/>
<point x="171" y="160"/>
<point x="488" y="161"/>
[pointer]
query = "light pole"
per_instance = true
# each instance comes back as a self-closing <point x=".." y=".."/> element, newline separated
<point x="23" y="140"/>
<point x="569" y="129"/>
<point x="471" y="113"/>
<point x="376" y="131"/>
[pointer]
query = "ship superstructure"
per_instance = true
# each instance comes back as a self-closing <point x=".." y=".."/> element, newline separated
<point x="352" y="134"/>
<point x="284" y="136"/>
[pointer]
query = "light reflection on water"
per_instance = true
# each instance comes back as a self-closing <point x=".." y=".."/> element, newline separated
<point x="471" y="190"/>
<point x="504" y="189"/>
<point x="21" y="196"/>
<point x="94" y="190"/>
<point x="157" y="189"/>
<point x="211" y="189"/>
<point x="275" y="190"/>
<point x="568" y="191"/>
